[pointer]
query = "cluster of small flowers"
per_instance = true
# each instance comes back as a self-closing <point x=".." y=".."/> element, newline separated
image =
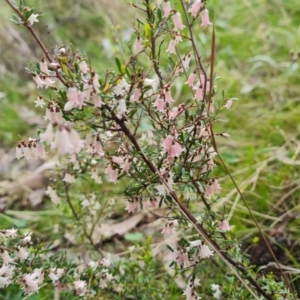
<point x="177" y="21"/>
<point x="190" y="291"/>
<point x="30" y="149"/>
<point x="183" y="257"/>
<point x="43" y="79"/>
<point x="118" y="164"/>
<point x="138" y="204"/>
<point x="12" y="258"/>
<point x="65" y="139"/>
<point x="170" y="227"/>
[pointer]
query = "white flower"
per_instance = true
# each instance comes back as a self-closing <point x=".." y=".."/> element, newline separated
<point x="122" y="108"/>
<point x="38" y="81"/>
<point x="217" y="291"/>
<point x="39" y="102"/>
<point x="32" y="281"/>
<point x="22" y="253"/>
<point x="69" y="178"/>
<point x="55" y="274"/>
<point x="6" y="274"/>
<point x="26" y="240"/>
<point x="5" y="256"/>
<point x="83" y="67"/>
<point x="80" y="287"/>
<point x="205" y="252"/>
<point x="33" y="18"/>
<point x="8" y="233"/>
<point x="53" y="195"/>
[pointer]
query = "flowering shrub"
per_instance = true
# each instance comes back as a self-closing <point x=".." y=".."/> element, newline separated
<point x="129" y="127"/>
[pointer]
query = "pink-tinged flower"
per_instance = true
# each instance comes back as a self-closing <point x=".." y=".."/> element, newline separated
<point x="98" y="147"/>
<point x="190" y="292"/>
<point x="117" y="160"/>
<point x="170" y="226"/>
<point x="191" y="79"/>
<point x="154" y="203"/>
<point x="97" y="100"/>
<point x="186" y="62"/>
<point x="122" y="108"/>
<point x="178" y="38"/>
<point x="30" y="285"/>
<point x="212" y="188"/>
<point x="181" y="257"/>
<point x="205" y="18"/>
<point x="126" y="165"/>
<point x="160" y="103"/>
<point x="80" y="287"/>
<point x="136" y="95"/>
<point x="38" y="81"/>
<point x="8" y="233"/>
<point x="112" y="173"/>
<point x="44" y="67"/>
<point x="22" y="253"/>
<point x="29" y="150"/>
<point x="195" y="7"/>
<point x="137" y="44"/>
<point x="33" y="18"/>
<point x="228" y="104"/>
<point x="48" y="135"/>
<point x="75" y="99"/>
<point x="167" y="93"/>
<point x="48" y="81"/>
<point x="199" y="93"/>
<point x="176" y="150"/>
<point x="224" y="226"/>
<point x="76" y="142"/>
<point x="5" y="256"/>
<point x="158" y="2"/>
<point x="205" y="252"/>
<point x="133" y="205"/>
<point x="167" y="8"/>
<point x="176" y="112"/>
<point x="177" y="21"/>
<point x="69" y="178"/>
<point x="83" y="67"/>
<point x="62" y="141"/>
<point x="105" y="262"/>
<point x="41" y="150"/>
<point x="171" y="47"/>
<point x="167" y="143"/>
<point x="55" y="274"/>
<point x="104" y="278"/>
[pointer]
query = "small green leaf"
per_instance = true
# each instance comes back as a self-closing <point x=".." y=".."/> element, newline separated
<point x="118" y="63"/>
<point x="136" y="236"/>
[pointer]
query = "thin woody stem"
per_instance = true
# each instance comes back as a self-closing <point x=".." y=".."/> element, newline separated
<point x="38" y="40"/>
<point x="229" y="261"/>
